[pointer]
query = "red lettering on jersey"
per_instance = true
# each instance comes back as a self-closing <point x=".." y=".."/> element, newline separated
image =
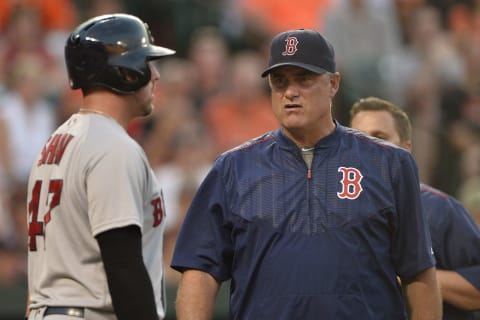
<point x="157" y="211"/>
<point x="54" y="188"/>
<point x="52" y="152"/>
<point x="290" y="46"/>
<point x="351" y="187"/>
<point x="35" y="228"/>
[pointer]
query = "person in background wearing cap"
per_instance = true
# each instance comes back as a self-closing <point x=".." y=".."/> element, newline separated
<point x="311" y="221"/>
<point x="455" y="236"/>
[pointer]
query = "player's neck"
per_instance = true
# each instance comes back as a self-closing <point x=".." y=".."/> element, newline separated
<point x="108" y="105"/>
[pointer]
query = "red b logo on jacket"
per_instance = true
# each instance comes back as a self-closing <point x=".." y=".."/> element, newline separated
<point x="351" y="187"/>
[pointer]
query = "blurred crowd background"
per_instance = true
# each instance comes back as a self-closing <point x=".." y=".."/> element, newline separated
<point x="422" y="55"/>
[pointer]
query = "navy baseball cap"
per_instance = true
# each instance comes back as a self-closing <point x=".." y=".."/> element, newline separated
<point x="303" y="48"/>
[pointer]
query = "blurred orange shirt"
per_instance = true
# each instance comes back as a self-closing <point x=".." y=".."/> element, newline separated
<point x="281" y="15"/>
<point x="55" y="14"/>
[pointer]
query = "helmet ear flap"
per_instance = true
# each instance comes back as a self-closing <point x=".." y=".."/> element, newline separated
<point x="131" y="78"/>
<point x="127" y="75"/>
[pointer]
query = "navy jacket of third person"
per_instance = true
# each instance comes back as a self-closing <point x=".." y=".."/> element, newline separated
<point x="455" y="240"/>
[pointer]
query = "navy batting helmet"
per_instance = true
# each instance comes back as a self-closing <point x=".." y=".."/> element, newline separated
<point x="111" y="51"/>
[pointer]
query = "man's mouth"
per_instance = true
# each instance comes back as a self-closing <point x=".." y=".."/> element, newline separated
<point x="292" y="106"/>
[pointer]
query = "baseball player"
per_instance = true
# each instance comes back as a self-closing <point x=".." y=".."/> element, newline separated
<point x="95" y="212"/>
<point x="312" y="221"/>
<point x="455" y="236"/>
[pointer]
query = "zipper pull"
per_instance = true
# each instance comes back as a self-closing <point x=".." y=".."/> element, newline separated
<point x="307" y="155"/>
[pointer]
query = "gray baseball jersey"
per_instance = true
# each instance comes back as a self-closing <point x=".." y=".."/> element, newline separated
<point x="90" y="177"/>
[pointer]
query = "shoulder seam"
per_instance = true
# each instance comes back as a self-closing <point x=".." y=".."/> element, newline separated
<point x="250" y="144"/>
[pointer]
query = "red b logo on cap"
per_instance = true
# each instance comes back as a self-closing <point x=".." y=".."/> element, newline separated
<point x="290" y="47"/>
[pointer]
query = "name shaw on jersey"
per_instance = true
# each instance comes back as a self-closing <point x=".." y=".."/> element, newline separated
<point x="53" y="150"/>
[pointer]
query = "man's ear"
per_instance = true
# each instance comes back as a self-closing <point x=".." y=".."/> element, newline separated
<point x="334" y="83"/>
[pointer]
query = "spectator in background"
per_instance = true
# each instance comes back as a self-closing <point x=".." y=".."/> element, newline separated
<point x="39" y="23"/>
<point x="28" y="119"/>
<point x="363" y="37"/>
<point x="55" y="14"/>
<point x="174" y="109"/>
<point x="25" y="34"/>
<point x="191" y="157"/>
<point x="242" y="111"/>
<point x="29" y="116"/>
<point x="209" y="54"/>
<point x="428" y="65"/>
<point x="460" y="105"/>
<point x="9" y="235"/>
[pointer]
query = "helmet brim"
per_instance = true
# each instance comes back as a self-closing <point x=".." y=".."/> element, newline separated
<point x="156" y="52"/>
